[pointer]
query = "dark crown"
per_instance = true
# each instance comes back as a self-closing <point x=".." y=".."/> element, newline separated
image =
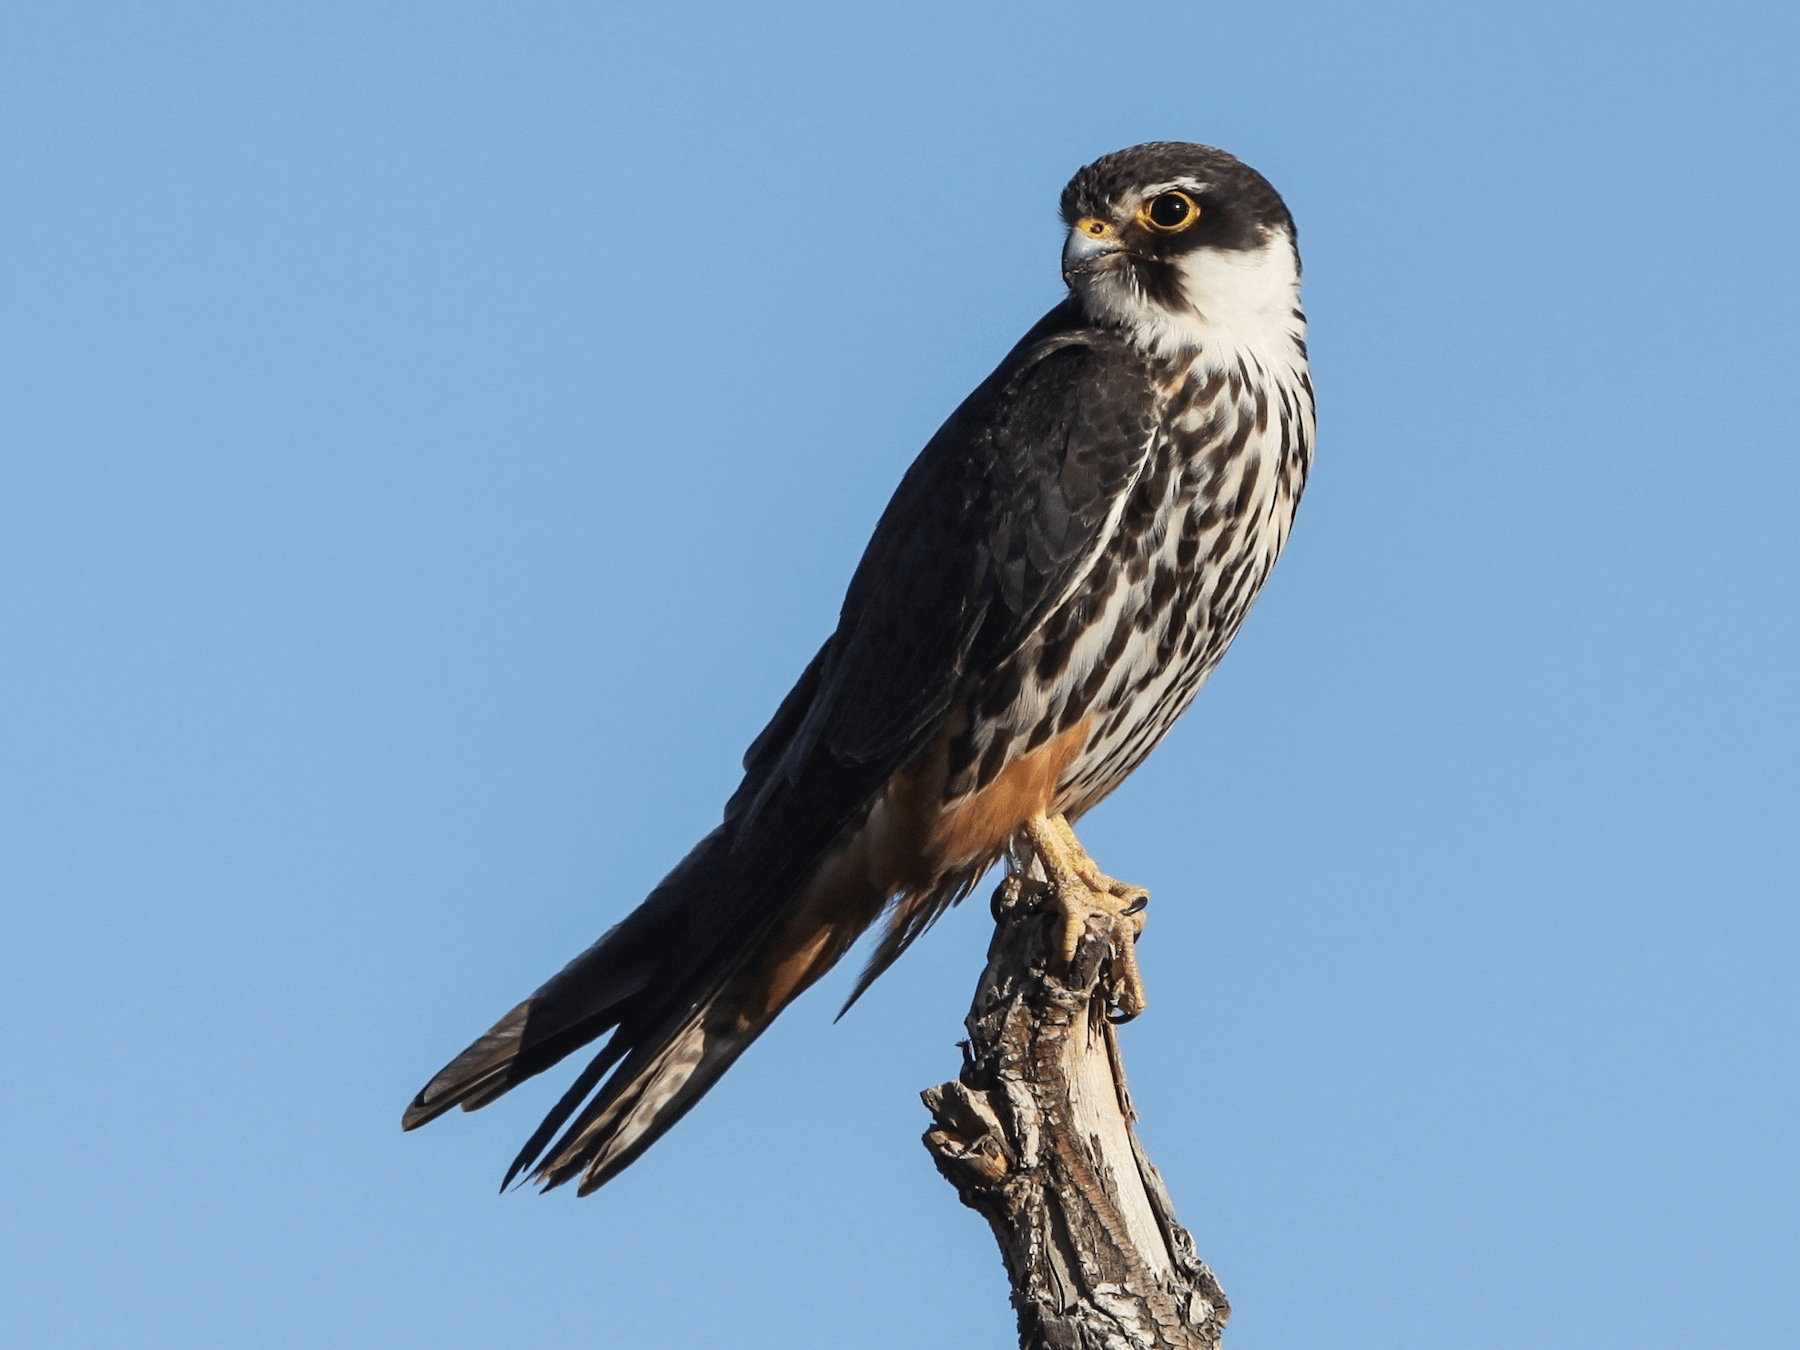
<point x="1228" y="184"/>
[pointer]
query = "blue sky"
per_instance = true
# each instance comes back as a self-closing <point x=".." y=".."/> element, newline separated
<point x="434" y="437"/>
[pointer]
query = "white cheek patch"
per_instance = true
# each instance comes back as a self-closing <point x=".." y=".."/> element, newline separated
<point x="1249" y="300"/>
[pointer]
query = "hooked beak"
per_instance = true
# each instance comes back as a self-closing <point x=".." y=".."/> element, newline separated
<point x="1091" y="241"/>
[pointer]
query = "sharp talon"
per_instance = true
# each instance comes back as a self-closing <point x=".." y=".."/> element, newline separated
<point x="1137" y="906"/>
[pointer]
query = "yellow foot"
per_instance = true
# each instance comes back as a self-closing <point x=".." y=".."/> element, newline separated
<point x="1081" y="890"/>
<point x="1136" y="897"/>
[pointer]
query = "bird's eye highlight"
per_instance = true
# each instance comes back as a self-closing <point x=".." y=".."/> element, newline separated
<point x="1170" y="212"/>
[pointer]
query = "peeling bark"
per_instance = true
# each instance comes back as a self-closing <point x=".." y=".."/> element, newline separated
<point x="1036" y="1135"/>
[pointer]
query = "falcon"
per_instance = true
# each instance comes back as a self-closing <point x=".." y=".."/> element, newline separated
<point x="1057" y="574"/>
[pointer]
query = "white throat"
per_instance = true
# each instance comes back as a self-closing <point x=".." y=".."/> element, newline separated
<point x="1240" y="303"/>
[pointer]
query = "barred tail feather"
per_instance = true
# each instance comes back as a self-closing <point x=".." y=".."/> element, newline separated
<point x="705" y="1024"/>
<point x="595" y="993"/>
<point x="685" y="984"/>
<point x="655" y="1088"/>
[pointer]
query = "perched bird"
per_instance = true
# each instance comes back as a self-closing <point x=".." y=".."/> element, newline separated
<point x="1058" y="572"/>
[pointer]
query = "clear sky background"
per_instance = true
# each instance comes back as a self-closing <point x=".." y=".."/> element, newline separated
<point x="435" y="435"/>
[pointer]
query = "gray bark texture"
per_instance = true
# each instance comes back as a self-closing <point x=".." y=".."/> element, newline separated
<point x="1036" y="1135"/>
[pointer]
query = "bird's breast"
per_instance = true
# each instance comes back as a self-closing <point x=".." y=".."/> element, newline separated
<point x="1130" y="646"/>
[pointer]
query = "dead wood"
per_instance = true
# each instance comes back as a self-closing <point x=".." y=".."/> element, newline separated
<point x="1036" y="1135"/>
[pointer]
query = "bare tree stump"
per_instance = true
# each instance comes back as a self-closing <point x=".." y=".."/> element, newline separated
<point x="1036" y="1135"/>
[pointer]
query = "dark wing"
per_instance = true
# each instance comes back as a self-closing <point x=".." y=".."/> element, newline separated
<point x="1000" y="516"/>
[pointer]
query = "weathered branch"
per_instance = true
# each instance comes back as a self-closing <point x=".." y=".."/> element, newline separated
<point x="1037" y="1136"/>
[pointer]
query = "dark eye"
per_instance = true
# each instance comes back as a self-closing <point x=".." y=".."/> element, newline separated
<point x="1170" y="211"/>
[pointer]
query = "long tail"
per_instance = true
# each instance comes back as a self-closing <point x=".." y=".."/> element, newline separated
<point x="684" y="983"/>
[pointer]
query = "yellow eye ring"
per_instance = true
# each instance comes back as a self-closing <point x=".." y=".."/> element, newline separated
<point x="1169" y="212"/>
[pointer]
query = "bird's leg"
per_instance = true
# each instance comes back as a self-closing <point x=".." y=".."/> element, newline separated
<point x="1081" y="890"/>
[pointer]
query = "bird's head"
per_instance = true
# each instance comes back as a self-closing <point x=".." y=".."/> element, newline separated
<point x="1185" y="248"/>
